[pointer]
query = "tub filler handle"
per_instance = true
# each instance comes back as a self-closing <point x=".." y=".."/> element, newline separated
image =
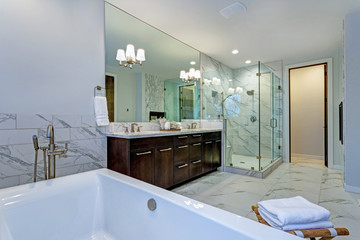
<point x="143" y="153"/>
<point x="151" y="204"/>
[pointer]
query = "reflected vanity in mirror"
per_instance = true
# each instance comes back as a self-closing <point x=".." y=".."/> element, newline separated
<point x="155" y="86"/>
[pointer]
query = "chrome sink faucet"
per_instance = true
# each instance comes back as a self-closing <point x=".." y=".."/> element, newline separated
<point x="133" y="127"/>
<point x="193" y="125"/>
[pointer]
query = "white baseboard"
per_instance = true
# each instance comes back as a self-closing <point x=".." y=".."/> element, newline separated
<point x="352" y="189"/>
<point x="307" y="156"/>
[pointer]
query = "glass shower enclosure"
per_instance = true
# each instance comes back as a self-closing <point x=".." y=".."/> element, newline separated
<point x="248" y="99"/>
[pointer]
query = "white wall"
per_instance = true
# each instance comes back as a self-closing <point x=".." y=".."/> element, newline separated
<point x="307" y="111"/>
<point x="351" y="102"/>
<point x="51" y="58"/>
<point x="125" y="94"/>
<point x="52" y="55"/>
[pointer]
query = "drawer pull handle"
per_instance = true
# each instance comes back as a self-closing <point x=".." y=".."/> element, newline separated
<point x="185" y="146"/>
<point x="208" y="142"/>
<point x="197" y="144"/>
<point x="182" y="166"/>
<point x="181" y="137"/>
<point x="196" y="162"/>
<point x="218" y="140"/>
<point x="198" y="135"/>
<point x="143" y="153"/>
<point x="166" y="149"/>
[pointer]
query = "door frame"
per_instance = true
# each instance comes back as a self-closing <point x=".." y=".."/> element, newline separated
<point x="286" y="108"/>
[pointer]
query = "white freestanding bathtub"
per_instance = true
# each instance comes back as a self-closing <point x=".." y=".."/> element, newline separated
<point x="103" y="204"/>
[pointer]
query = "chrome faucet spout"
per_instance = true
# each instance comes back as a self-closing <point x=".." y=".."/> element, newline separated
<point x="50" y="134"/>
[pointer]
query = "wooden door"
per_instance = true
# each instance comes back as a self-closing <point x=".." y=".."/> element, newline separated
<point x="207" y="156"/>
<point x="217" y="154"/>
<point x="109" y="85"/>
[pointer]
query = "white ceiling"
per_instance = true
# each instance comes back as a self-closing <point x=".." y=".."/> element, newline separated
<point x="270" y="30"/>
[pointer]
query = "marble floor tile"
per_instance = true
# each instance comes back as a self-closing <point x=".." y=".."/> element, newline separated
<point x="304" y="177"/>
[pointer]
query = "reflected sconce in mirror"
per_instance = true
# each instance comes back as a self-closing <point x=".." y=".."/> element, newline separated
<point x="192" y="75"/>
<point x="128" y="59"/>
<point x="237" y="90"/>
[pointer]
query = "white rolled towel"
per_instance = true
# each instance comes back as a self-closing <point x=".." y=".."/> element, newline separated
<point x="101" y="112"/>
<point x="295" y="210"/>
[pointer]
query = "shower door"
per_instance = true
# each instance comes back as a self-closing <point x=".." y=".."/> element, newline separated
<point x="269" y="106"/>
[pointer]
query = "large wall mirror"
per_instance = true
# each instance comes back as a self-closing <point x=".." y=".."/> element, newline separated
<point x="154" y="87"/>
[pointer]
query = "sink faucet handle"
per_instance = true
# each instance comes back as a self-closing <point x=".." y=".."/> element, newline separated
<point x="126" y="129"/>
<point x="138" y="129"/>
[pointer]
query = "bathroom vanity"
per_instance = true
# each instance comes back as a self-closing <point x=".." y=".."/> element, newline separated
<point x="165" y="159"/>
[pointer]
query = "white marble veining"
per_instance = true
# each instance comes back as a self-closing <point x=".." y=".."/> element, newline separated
<point x="305" y="177"/>
<point x="7" y="121"/>
<point x="146" y="134"/>
<point x="87" y="145"/>
<point x="154" y="95"/>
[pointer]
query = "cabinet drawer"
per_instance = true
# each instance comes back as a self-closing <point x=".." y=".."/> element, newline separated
<point x="195" y="151"/>
<point x="195" y="168"/>
<point x="181" y="172"/>
<point x="195" y="137"/>
<point x="211" y="136"/>
<point x="181" y="139"/>
<point x="181" y="154"/>
<point x="154" y="142"/>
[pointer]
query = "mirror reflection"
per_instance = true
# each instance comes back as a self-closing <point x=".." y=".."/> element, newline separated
<point x="154" y="87"/>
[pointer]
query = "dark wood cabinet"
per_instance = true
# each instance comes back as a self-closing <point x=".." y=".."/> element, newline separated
<point x="165" y="161"/>
<point x="164" y="167"/>
<point x="140" y="163"/>
<point x="207" y="156"/>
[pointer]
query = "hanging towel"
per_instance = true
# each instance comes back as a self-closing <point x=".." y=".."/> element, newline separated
<point x="296" y="210"/>
<point x="101" y="112"/>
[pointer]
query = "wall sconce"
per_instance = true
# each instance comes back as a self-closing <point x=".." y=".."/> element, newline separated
<point x="129" y="56"/>
<point x="192" y="75"/>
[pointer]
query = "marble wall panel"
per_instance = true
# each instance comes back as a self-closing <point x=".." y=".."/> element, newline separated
<point x="154" y="94"/>
<point x="87" y="145"/>
<point x="7" y="121"/>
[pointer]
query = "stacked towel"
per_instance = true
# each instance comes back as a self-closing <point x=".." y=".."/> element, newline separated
<point x="295" y="213"/>
<point x="101" y="112"/>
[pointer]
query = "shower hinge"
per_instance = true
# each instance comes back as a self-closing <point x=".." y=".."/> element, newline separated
<point x="258" y="157"/>
<point x="258" y="74"/>
<point x="279" y="87"/>
<point x="279" y="147"/>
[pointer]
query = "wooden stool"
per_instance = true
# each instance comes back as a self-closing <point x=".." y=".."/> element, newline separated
<point x="323" y="233"/>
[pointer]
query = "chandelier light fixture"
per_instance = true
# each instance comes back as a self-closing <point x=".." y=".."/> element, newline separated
<point x="192" y="75"/>
<point x="128" y="59"/>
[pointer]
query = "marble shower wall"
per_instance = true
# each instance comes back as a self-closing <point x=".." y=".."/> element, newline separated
<point x="86" y="144"/>
<point x="242" y="133"/>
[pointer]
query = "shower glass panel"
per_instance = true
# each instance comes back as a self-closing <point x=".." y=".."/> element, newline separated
<point x="241" y="116"/>
<point x="266" y="121"/>
<point x="248" y="100"/>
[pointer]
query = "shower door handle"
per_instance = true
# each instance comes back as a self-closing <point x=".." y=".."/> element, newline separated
<point x="273" y="123"/>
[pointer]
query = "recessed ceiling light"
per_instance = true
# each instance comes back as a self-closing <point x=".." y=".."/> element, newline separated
<point x="248" y="61"/>
<point x="230" y="80"/>
<point x="192" y="62"/>
<point x="235" y="51"/>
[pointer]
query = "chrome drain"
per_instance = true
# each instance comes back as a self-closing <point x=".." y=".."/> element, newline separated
<point x="151" y="204"/>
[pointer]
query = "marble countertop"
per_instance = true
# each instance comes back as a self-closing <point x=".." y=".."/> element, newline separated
<point x="146" y="134"/>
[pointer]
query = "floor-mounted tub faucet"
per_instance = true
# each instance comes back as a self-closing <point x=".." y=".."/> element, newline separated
<point x="50" y="151"/>
<point x="53" y="151"/>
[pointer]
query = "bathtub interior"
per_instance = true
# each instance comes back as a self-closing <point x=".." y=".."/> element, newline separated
<point x="113" y="206"/>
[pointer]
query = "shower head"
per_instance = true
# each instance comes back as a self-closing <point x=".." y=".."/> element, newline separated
<point x="250" y="92"/>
